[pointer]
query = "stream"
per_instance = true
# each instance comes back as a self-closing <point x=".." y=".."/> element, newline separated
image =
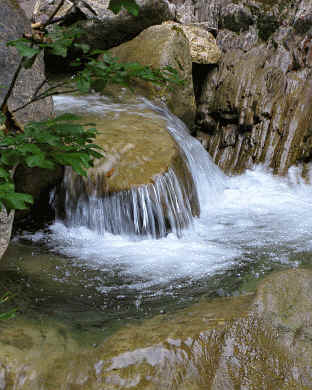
<point x="94" y="282"/>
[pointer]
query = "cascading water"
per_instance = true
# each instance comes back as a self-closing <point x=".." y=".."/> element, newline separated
<point x="154" y="209"/>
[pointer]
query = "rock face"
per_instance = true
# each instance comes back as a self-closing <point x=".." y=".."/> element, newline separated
<point x="159" y="46"/>
<point x="254" y="108"/>
<point x="14" y="25"/>
<point x="103" y="28"/>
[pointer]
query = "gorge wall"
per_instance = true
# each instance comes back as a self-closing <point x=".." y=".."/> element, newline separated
<point x="254" y="107"/>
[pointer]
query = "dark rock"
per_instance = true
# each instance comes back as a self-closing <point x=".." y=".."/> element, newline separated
<point x="103" y="29"/>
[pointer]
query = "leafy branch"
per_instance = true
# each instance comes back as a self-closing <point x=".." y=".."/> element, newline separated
<point x="58" y="141"/>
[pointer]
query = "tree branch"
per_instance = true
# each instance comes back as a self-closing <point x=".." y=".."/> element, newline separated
<point x="53" y="14"/>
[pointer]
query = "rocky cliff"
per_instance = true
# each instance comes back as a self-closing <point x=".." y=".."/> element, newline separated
<point x="254" y="107"/>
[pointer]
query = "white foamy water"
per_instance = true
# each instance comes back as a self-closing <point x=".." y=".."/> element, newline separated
<point x="255" y="217"/>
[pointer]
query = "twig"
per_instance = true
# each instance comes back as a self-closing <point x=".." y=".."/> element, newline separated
<point x="12" y="85"/>
<point x="43" y="96"/>
<point x="53" y="14"/>
<point x="39" y="87"/>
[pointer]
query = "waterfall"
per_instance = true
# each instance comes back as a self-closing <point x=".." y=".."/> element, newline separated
<point x="168" y="204"/>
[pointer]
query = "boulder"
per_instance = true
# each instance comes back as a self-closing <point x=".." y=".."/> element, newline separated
<point x="159" y="46"/>
<point x="203" y="46"/>
<point x="141" y="186"/>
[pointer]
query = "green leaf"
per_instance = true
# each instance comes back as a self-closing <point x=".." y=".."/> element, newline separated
<point x="15" y="200"/>
<point x="83" y="46"/>
<point x="4" y="174"/>
<point x="2" y="118"/>
<point x="24" y="48"/>
<point x="35" y="160"/>
<point x="83" y="83"/>
<point x="29" y="62"/>
<point x="59" y="50"/>
<point x="130" y="5"/>
<point x="8" y="315"/>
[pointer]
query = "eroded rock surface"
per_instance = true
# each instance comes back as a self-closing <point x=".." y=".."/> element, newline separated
<point x="254" y="108"/>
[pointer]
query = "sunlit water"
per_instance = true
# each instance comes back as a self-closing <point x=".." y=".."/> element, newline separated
<point x="249" y="225"/>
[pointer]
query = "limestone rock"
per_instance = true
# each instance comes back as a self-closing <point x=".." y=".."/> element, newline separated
<point x="203" y="46"/>
<point x="254" y="108"/>
<point x="159" y="46"/>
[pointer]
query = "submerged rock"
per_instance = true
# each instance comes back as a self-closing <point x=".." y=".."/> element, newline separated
<point x="257" y="341"/>
<point x="159" y="46"/>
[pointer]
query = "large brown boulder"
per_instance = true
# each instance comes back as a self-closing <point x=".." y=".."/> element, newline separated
<point x="142" y="167"/>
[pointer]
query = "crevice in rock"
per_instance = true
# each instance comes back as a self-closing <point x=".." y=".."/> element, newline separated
<point x="200" y="73"/>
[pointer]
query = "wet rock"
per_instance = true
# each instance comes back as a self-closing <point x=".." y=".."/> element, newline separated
<point x="250" y="342"/>
<point x="141" y="186"/>
<point x="159" y="46"/>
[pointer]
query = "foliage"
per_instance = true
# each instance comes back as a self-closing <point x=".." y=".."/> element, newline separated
<point x="9" y="314"/>
<point x="61" y="140"/>
<point x="130" y="5"/>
